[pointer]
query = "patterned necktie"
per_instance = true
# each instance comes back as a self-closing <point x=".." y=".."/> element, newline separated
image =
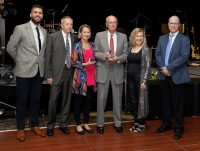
<point x="168" y="49"/>
<point x="39" y="40"/>
<point x="68" y="57"/>
<point x="111" y="44"/>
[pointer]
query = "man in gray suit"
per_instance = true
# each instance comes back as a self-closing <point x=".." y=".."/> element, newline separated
<point x="26" y="46"/>
<point x="110" y="54"/>
<point x="59" y="73"/>
<point x="172" y="53"/>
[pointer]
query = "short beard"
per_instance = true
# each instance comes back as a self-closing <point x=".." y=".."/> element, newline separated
<point x="35" y="22"/>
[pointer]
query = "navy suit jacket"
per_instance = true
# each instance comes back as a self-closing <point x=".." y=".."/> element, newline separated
<point x="179" y="55"/>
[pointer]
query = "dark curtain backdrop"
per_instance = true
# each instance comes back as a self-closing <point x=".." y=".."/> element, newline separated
<point x="149" y="15"/>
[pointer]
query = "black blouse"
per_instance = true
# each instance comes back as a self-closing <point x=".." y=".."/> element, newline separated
<point x="134" y="63"/>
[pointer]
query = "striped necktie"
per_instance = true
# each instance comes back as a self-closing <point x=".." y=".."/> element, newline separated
<point x="168" y="49"/>
<point x="111" y="44"/>
<point x="68" y="57"/>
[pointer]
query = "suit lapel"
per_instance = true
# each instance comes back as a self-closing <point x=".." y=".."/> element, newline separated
<point x="166" y="41"/>
<point x="118" y="43"/>
<point x="44" y="35"/>
<point x="174" y="44"/>
<point x="72" y="41"/>
<point x="105" y="38"/>
<point x="61" y="39"/>
<point x="30" y="34"/>
<point x="166" y="38"/>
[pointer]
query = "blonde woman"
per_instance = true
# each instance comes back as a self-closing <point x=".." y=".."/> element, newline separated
<point x="137" y="75"/>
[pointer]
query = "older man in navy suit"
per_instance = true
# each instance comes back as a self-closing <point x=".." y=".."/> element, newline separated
<point x="172" y="53"/>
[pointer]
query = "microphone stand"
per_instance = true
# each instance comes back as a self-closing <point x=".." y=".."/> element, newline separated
<point x="186" y="24"/>
<point x="65" y="7"/>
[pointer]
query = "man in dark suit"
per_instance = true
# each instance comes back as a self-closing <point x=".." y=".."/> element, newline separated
<point x="26" y="46"/>
<point x="111" y="53"/>
<point x="171" y="54"/>
<point x="59" y="73"/>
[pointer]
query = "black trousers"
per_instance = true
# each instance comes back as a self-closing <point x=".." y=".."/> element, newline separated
<point x="85" y="101"/>
<point x="133" y="85"/>
<point x="172" y="102"/>
<point x="28" y="93"/>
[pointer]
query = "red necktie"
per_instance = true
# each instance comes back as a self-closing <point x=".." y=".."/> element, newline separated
<point x="111" y="44"/>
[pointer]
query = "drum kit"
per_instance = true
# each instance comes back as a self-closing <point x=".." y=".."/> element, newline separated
<point x="7" y="9"/>
<point x="52" y="26"/>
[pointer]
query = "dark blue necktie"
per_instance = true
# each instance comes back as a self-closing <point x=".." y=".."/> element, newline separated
<point x="168" y="49"/>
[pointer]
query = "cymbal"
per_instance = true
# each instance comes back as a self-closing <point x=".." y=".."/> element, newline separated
<point x="51" y="11"/>
<point x="4" y="4"/>
<point x="51" y="25"/>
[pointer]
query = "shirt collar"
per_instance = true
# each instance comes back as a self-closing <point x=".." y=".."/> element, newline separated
<point x="64" y="34"/>
<point x="108" y="33"/>
<point x="33" y="25"/>
<point x="174" y="34"/>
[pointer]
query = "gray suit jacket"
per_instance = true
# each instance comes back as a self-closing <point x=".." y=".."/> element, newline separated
<point x="22" y="48"/>
<point x="55" y="55"/>
<point x="103" y="66"/>
<point x="179" y="55"/>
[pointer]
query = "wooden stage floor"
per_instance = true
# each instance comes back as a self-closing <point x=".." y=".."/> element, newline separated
<point x="110" y="140"/>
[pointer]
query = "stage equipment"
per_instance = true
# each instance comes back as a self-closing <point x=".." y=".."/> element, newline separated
<point x="6" y="78"/>
<point x="66" y="6"/>
<point x="195" y="50"/>
<point x="7" y="9"/>
<point x="51" y="12"/>
<point x="141" y="21"/>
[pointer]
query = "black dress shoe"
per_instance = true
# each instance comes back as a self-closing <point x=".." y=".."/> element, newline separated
<point x="178" y="134"/>
<point x="65" y="130"/>
<point x="88" y="130"/>
<point x="119" y="129"/>
<point x="50" y="132"/>
<point x="100" y="130"/>
<point x="162" y="129"/>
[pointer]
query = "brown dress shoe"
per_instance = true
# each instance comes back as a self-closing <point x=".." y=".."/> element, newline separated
<point x="21" y="135"/>
<point x="37" y="131"/>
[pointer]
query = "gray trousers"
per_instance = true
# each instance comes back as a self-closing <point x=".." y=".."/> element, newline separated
<point x="102" y="95"/>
